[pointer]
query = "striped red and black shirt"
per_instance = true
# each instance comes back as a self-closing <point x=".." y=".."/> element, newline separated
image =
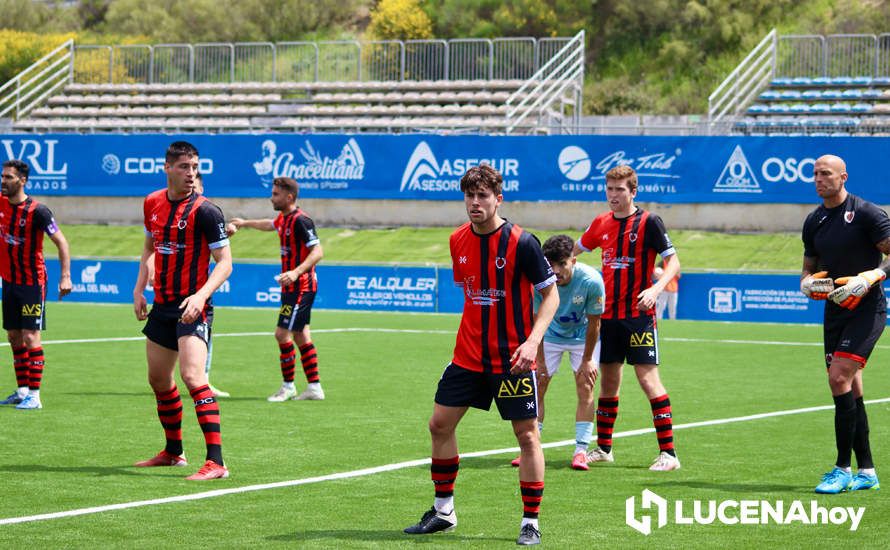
<point x="629" y="248"/>
<point x="499" y="273"/>
<point x="22" y="227"/>
<point x="296" y="231"/>
<point x="184" y="233"/>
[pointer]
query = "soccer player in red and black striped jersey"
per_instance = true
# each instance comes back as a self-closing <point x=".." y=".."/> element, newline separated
<point x="300" y="252"/>
<point x="499" y="266"/>
<point x="23" y="222"/>
<point x="630" y="239"/>
<point x="183" y="230"/>
<point x="847" y="241"/>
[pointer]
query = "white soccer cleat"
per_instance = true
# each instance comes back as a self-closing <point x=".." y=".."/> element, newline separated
<point x="283" y="394"/>
<point x="30" y="403"/>
<point x="218" y="392"/>
<point x="599" y="455"/>
<point x="313" y="392"/>
<point x="665" y="462"/>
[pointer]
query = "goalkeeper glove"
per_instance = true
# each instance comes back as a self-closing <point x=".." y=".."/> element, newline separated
<point x="853" y="289"/>
<point x="817" y="286"/>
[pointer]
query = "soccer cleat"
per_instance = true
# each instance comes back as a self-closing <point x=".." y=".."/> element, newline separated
<point x="834" y="482"/>
<point x="515" y="462"/>
<point x="599" y="455"/>
<point x="283" y="394"/>
<point x="163" y="458"/>
<point x="311" y="394"/>
<point x="433" y="522"/>
<point x="13" y="399"/>
<point x="528" y="535"/>
<point x="29" y="403"/>
<point x="579" y="461"/>
<point x="218" y="392"/>
<point x="210" y="470"/>
<point x="862" y="482"/>
<point x="665" y="462"/>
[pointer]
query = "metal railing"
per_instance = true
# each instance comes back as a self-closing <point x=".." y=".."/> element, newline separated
<point x="742" y="84"/>
<point x="560" y="76"/>
<point x="833" y="55"/>
<point x="31" y="86"/>
<point x="334" y="60"/>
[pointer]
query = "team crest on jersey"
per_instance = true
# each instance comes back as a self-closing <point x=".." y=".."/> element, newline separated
<point x="500" y="262"/>
<point x="848" y="216"/>
<point x="577" y="299"/>
<point x="632" y="237"/>
<point x="182" y="224"/>
<point x="22" y="222"/>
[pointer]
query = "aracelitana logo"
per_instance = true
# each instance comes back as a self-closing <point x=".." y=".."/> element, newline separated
<point x="734" y="512"/>
<point x="737" y="176"/>
<point x="424" y="172"/>
<point x="312" y="169"/>
<point x="655" y="169"/>
<point x="40" y="154"/>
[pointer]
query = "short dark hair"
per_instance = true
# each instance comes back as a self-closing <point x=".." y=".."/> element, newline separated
<point x="21" y="167"/>
<point x="178" y="149"/>
<point x="288" y="185"/>
<point x="482" y="176"/>
<point x="558" y="248"/>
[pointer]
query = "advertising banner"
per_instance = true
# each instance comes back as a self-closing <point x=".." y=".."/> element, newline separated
<point x="672" y="169"/>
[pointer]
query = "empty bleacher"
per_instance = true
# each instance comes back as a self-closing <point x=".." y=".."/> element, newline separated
<point x="489" y="101"/>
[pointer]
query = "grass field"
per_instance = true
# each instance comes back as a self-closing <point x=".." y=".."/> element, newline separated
<point x="699" y="250"/>
<point x="379" y="372"/>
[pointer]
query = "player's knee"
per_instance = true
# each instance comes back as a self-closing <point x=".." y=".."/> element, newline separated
<point x="526" y="437"/>
<point x="439" y="428"/>
<point x="282" y="335"/>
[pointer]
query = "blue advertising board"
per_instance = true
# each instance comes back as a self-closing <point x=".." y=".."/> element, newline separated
<point x="672" y="169"/>
<point x="703" y="296"/>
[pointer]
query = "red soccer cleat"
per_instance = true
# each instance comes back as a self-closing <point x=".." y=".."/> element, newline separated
<point x="515" y="462"/>
<point x="210" y="470"/>
<point x="163" y="458"/>
<point x="579" y="461"/>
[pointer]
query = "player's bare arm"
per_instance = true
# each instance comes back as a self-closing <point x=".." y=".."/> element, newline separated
<point x="193" y="305"/>
<point x="588" y="368"/>
<point x="646" y="299"/>
<point x="262" y="225"/>
<point x="64" y="263"/>
<point x="140" y="305"/>
<point x="524" y="356"/>
<point x="315" y="255"/>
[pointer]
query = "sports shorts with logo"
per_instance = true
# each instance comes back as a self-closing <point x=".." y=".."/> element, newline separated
<point x="164" y="326"/>
<point x="24" y="307"/>
<point x="633" y="340"/>
<point x="296" y="310"/>
<point x="854" y="336"/>
<point x="516" y="395"/>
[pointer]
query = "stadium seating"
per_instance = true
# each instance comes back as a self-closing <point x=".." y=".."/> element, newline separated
<point x="441" y="105"/>
<point x="819" y="106"/>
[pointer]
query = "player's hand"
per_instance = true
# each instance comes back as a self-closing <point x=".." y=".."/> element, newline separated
<point x="646" y="299"/>
<point x="853" y="289"/>
<point x="287" y="278"/>
<point x="64" y="286"/>
<point x="817" y="285"/>
<point x="523" y="359"/>
<point x="588" y="371"/>
<point x="140" y="307"/>
<point x="191" y="308"/>
<point x="231" y="229"/>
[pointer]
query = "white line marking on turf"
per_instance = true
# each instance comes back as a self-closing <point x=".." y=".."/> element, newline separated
<point x="384" y="468"/>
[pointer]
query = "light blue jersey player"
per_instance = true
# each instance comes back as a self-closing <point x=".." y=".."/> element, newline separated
<point x="575" y="331"/>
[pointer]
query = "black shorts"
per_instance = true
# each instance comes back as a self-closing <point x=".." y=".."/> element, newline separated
<point x="634" y="340"/>
<point x="296" y="310"/>
<point x="164" y="328"/>
<point x="24" y="307"/>
<point x="516" y="395"/>
<point x="853" y="337"/>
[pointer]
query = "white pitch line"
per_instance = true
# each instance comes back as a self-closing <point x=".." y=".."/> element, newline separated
<point x="385" y="468"/>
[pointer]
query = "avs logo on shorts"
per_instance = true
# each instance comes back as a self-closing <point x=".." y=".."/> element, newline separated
<point x="521" y="387"/>
<point x="642" y="340"/>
